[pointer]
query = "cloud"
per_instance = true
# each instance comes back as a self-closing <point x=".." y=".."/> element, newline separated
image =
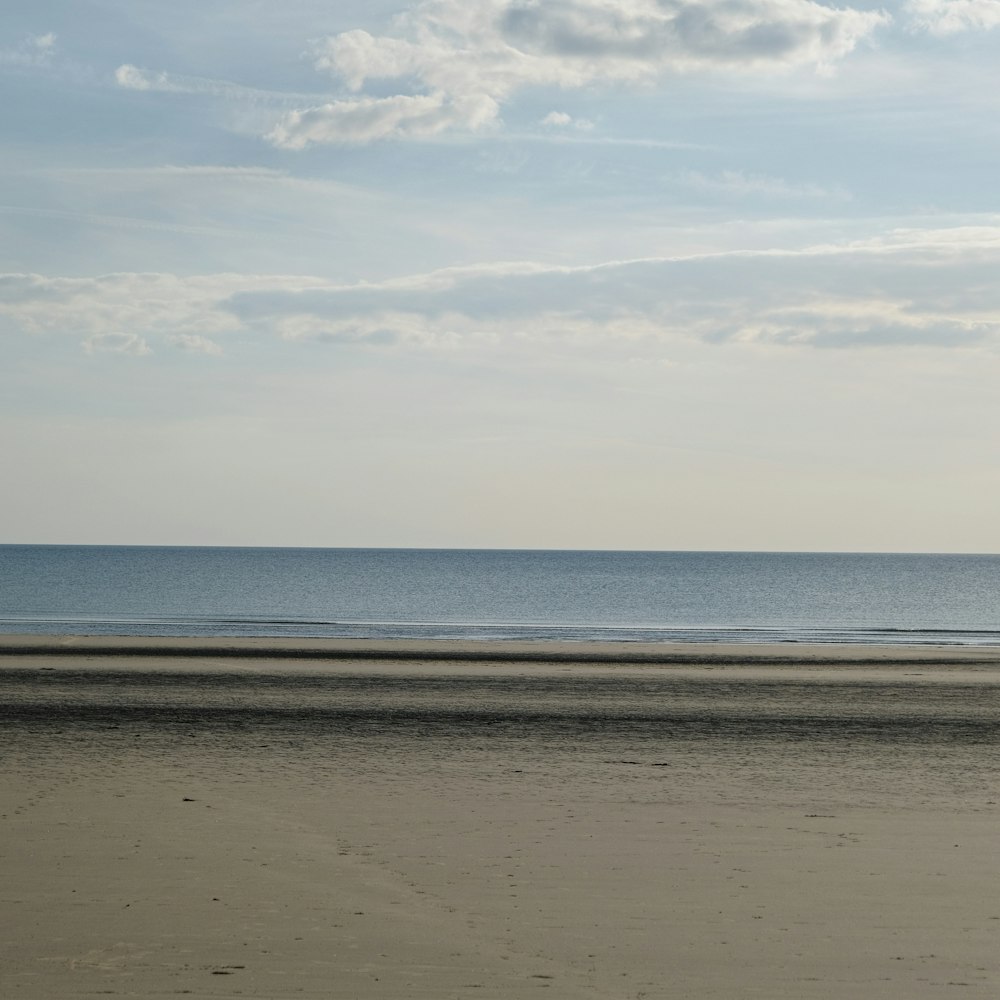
<point x="33" y="51"/>
<point x="738" y="184"/>
<point x="631" y="39"/>
<point x="186" y="311"/>
<point x="908" y="287"/>
<point x="132" y="77"/>
<point x="916" y="288"/>
<point x="116" y="343"/>
<point x="561" y="120"/>
<point x="842" y="322"/>
<point x="195" y="343"/>
<point x="456" y="62"/>
<point x="948" y="17"/>
<point x="366" y="119"/>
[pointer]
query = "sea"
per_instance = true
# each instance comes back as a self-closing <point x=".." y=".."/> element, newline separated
<point x="488" y="594"/>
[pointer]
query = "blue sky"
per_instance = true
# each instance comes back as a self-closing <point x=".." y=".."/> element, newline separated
<point x="645" y="274"/>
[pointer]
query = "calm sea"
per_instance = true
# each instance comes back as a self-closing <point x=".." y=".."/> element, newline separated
<point x="492" y="594"/>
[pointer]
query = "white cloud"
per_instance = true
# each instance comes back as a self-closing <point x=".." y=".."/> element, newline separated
<point x="458" y="61"/>
<point x="905" y="288"/>
<point x="116" y="343"/>
<point x="132" y="77"/>
<point x="740" y="184"/>
<point x="185" y="310"/>
<point x="368" y="119"/>
<point x="195" y="343"/>
<point x="922" y="288"/>
<point x="948" y="17"/>
<point x="561" y="120"/>
<point x="33" y="51"/>
<point x="626" y="40"/>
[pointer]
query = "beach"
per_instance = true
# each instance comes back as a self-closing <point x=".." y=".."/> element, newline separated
<point x="279" y="819"/>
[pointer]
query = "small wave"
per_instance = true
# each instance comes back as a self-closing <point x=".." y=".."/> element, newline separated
<point x="241" y="626"/>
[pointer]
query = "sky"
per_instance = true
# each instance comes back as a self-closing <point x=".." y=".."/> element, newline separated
<point x="642" y="274"/>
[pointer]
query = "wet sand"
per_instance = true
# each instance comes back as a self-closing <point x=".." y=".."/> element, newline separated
<point x="398" y="821"/>
<point x="450" y="650"/>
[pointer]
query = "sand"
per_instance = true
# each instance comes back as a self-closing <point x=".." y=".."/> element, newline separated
<point x="222" y="818"/>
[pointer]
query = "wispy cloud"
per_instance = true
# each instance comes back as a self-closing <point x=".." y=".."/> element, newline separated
<point x="33" y="51"/>
<point x="898" y="290"/>
<point x="367" y="119"/>
<point x="250" y="176"/>
<point x="948" y="17"/>
<point x="129" y="311"/>
<point x="908" y="287"/>
<point x="584" y="137"/>
<point x="194" y="343"/>
<point x="739" y="184"/>
<point x="114" y="221"/>
<point x="116" y="343"/>
<point x="457" y="62"/>
<point x="132" y="77"/>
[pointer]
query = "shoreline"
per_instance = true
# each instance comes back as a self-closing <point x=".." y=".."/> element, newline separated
<point x="495" y="651"/>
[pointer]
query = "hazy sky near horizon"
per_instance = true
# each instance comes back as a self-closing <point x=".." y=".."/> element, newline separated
<point x="646" y="274"/>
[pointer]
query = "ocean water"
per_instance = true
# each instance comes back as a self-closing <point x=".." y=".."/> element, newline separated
<point x="494" y="594"/>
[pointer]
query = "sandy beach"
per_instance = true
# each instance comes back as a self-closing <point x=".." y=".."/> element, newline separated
<point x="333" y="819"/>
